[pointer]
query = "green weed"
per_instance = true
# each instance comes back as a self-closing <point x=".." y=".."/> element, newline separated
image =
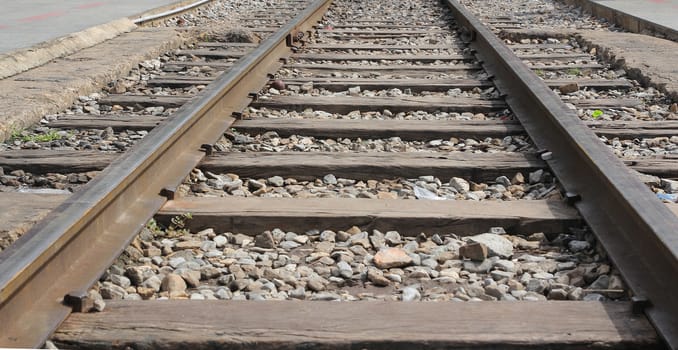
<point x="177" y="226"/>
<point x="52" y="135"/>
<point x="574" y="71"/>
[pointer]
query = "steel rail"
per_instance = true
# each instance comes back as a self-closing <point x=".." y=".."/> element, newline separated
<point x="639" y="232"/>
<point x="72" y="247"/>
<point x="169" y="13"/>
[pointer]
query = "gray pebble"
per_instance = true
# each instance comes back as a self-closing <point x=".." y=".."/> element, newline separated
<point x="316" y="283"/>
<point x="505" y="265"/>
<point x="220" y="241"/>
<point x="224" y="294"/>
<point x="410" y="294"/>
<point x="289" y="245"/>
<point x="496" y="245"/>
<point x="498" y="275"/>
<point x="265" y="240"/>
<point x="98" y="301"/>
<point x="276" y="181"/>
<point x="175" y="262"/>
<point x="460" y="184"/>
<point x="121" y="281"/>
<point x="330" y="179"/>
<point x="394" y="277"/>
<point x="496" y="291"/>
<point x="504" y="181"/>
<point x="377" y="277"/>
<point x="431" y="263"/>
<point x="478" y="267"/>
<point x="602" y="282"/>
<point x="558" y="294"/>
<point x="255" y="297"/>
<point x="537" y="285"/>
<point x="393" y="238"/>
<point x="325" y="296"/>
<point x="345" y="269"/>
<point x="152" y="282"/>
<point x="535" y="176"/>
<point x="111" y="291"/>
<point x="298" y="293"/>
<point x="328" y="236"/>
<point x="578" y="246"/>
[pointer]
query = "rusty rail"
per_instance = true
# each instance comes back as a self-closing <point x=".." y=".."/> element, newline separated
<point x="637" y="230"/>
<point x="69" y="250"/>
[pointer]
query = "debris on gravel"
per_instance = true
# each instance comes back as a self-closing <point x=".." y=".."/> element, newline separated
<point x="539" y="184"/>
<point x="272" y="142"/>
<point x="358" y="265"/>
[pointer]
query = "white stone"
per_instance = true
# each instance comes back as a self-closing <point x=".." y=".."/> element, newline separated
<point x="460" y="184"/>
<point x="410" y="294"/>
<point x="496" y="245"/>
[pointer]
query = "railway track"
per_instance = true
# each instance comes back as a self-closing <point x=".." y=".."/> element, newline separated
<point x="350" y="157"/>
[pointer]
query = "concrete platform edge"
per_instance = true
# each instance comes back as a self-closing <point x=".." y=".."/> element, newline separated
<point x="22" y="60"/>
<point x="24" y="105"/>
<point x="647" y="59"/>
<point x="625" y="20"/>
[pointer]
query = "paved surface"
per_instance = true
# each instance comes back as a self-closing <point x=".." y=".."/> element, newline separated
<point x="662" y="12"/>
<point x="647" y="59"/>
<point x="50" y="88"/>
<point x="26" y="23"/>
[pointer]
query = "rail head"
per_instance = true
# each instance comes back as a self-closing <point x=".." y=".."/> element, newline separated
<point x="70" y="249"/>
<point x="165" y="12"/>
<point x="639" y="232"/>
